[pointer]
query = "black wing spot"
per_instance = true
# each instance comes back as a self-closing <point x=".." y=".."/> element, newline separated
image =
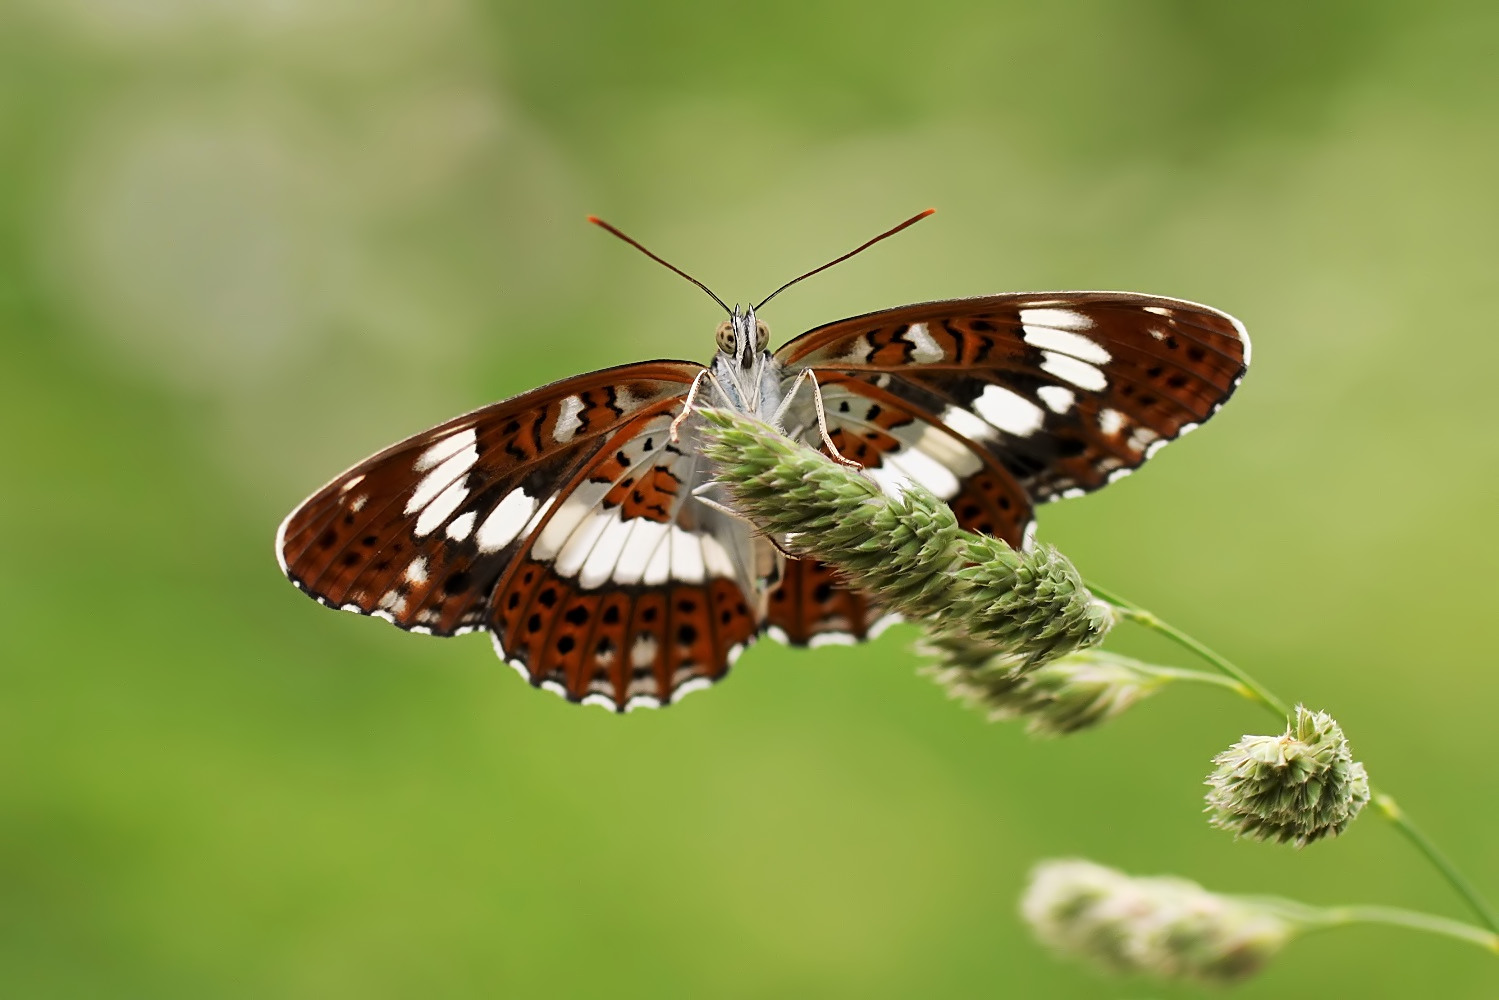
<point x="611" y="614"/>
<point x="577" y="616"/>
<point x="456" y="583"/>
<point x="686" y="635"/>
<point x="823" y="593"/>
<point x="1071" y="447"/>
<point x="533" y="624"/>
<point x="565" y="644"/>
<point x="548" y="597"/>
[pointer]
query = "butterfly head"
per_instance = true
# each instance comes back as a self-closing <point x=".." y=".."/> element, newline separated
<point x="743" y="365"/>
<point x="742" y="338"/>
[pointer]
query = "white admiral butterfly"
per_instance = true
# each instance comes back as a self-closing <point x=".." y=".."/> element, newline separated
<point x="567" y="521"/>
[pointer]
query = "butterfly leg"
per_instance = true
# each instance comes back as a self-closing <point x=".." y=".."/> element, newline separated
<point x="822" y="416"/>
<point x="676" y="424"/>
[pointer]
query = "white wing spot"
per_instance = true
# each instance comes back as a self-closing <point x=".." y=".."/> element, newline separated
<point x="1119" y="474"/>
<point x="716" y="558"/>
<point x="948" y="450"/>
<point x="658" y="570"/>
<point x="832" y="639"/>
<point x="1110" y="421"/>
<point x="1009" y="411"/>
<point x="580" y="543"/>
<point x="505" y="521"/>
<point x="352" y="483"/>
<point x="601" y="562"/>
<point x="461" y="526"/>
<point x="645" y="539"/>
<point x="1069" y="369"/>
<point x="696" y="684"/>
<point x="568" y="420"/>
<point x="686" y="556"/>
<point x="924" y="349"/>
<point x="1141" y="438"/>
<point x="440" y="509"/>
<point x="643" y="653"/>
<point x="449" y="471"/>
<point x="445" y="448"/>
<point x="358" y="502"/>
<point x="1158" y="310"/>
<point x="968" y="425"/>
<point x="921" y="468"/>
<point x="416" y="570"/>
<point x="1059" y="319"/>
<point x="1058" y="399"/>
<point x="1075" y="344"/>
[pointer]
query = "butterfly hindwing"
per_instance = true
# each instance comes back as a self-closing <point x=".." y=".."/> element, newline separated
<point x="630" y="591"/>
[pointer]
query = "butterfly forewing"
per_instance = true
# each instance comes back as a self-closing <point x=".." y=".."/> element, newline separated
<point x="1067" y="390"/>
<point x="419" y="534"/>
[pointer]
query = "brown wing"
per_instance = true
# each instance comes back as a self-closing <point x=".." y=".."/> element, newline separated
<point x="419" y="533"/>
<point x="1068" y="390"/>
<point x="1002" y="402"/>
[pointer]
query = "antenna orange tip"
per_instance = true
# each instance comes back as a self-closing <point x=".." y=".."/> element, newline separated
<point x="596" y="220"/>
<point x="930" y="211"/>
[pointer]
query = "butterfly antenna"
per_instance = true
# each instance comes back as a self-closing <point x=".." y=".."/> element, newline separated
<point x="859" y="249"/>
<point x="664" y="263"/>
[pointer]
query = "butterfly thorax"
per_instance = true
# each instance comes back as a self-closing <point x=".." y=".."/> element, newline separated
<point x="744" y="369"/>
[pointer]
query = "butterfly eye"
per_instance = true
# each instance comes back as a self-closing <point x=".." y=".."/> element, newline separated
<point x="762" y="335"/>
<point x="726" y="337"/>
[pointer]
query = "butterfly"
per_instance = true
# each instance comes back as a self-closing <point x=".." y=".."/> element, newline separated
<point x="574" y="524"/>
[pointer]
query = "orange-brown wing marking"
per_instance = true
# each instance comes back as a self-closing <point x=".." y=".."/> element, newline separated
<point x="625" y="647"/>
<point x="812" y="606"/>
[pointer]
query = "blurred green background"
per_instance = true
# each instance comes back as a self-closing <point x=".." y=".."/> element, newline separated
<point x="244" y="244"/>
